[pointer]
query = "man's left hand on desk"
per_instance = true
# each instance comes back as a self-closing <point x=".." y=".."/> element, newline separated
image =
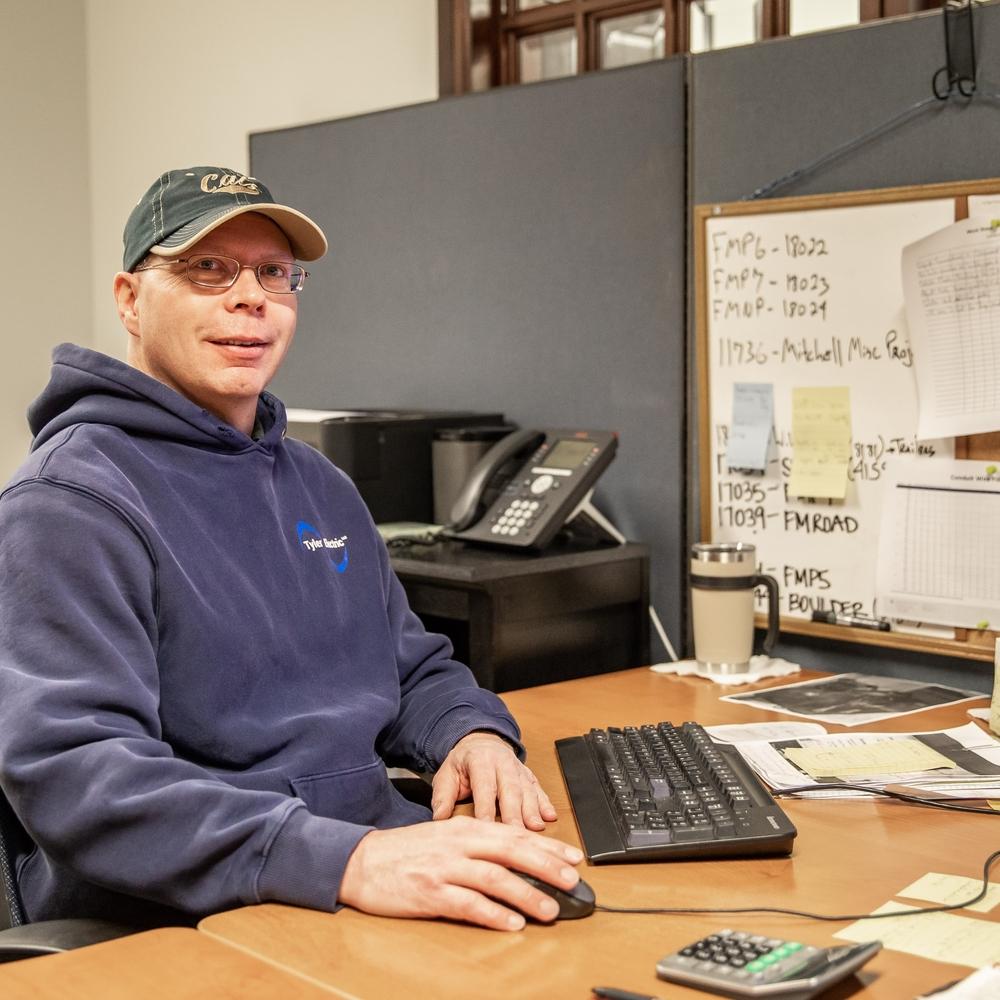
<point x="485" y="766"/>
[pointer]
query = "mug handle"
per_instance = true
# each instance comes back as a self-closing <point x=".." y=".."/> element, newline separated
<point x="762" y="580"/>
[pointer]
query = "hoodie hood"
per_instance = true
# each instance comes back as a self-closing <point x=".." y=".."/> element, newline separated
<point x="92" y="388"/>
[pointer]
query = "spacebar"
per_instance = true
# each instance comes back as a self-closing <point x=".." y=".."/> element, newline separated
<point x="649" y="838"/>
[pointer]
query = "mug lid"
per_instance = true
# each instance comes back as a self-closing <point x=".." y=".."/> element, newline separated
<point x="723" y="552"/>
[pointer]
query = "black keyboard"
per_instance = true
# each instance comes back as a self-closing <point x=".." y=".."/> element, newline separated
<point x="661" y="792"/>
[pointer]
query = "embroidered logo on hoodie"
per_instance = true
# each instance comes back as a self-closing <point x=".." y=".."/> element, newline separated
<point x="312" y="540"/>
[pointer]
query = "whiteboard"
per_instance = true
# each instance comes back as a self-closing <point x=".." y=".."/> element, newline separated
<point x="811" y="297"/>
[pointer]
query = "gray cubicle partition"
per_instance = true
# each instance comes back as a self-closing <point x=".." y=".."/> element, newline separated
<point x="520" y="250"/>
<point x="526" y="249"/>
<point x="759" y="112"/>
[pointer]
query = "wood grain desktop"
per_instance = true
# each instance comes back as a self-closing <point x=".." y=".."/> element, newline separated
<point x="850" y="857"/>
<point x="173" y="963"/>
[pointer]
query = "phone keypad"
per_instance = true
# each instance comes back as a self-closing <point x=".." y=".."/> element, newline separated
<point x="518" y="516"/>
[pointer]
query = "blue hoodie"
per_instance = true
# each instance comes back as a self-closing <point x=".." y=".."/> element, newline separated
<point x="205" y="659"/>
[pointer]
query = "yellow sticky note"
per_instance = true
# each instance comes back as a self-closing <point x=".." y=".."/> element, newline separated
<point x="897" y="756"/>
<point x="821" y="439"/>
<point x="949" y="889"/>
<point x="943" y="937"/>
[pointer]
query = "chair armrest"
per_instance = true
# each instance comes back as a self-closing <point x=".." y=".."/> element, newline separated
<point x="50" y="936"/>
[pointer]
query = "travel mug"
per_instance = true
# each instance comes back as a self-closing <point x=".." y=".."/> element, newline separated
<point x="723" y="580"/>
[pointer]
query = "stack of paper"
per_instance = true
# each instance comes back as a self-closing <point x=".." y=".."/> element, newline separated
<point x="960" y="763"/>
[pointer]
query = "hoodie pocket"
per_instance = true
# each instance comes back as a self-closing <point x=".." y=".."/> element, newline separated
<point x="358" y="795"/>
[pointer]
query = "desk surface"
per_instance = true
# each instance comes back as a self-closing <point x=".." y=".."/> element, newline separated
<point x="175" y="963"/>
<point x="850" y="857"/>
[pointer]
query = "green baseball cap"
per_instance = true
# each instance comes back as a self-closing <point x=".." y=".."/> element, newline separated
<point x="182" y="206"/>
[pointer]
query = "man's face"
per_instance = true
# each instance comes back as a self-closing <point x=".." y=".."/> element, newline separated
<point x="218" y="347"/>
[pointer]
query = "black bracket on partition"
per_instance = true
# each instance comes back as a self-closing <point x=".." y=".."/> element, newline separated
<point x="960" y="50"/>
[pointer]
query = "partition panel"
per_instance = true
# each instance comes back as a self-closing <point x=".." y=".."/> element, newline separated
<point x="518" y="250"/>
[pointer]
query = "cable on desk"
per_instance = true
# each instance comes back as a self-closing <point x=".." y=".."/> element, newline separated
<point x="833" y="918"/>
<point x="918" y="800"/>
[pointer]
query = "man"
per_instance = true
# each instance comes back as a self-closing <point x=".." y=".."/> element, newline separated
<point x="206" y="660"/>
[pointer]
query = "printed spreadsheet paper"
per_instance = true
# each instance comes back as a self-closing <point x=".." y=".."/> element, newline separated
<point x="938" y="548"/>
<point x="951" y="286"/>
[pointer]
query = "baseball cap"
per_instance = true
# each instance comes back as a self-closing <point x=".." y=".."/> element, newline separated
<point x="184" y="205"/>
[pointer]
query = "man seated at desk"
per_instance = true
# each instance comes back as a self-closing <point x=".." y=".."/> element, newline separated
<point x="205" y="658"/>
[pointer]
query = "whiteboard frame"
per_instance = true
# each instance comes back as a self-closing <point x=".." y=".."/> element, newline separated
<point x="968" y="643"/>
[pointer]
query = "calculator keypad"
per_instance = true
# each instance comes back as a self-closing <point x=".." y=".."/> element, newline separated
<point x="743" y="957"/>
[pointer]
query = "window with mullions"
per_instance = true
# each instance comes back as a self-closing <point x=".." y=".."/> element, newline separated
<point x="490" y="43"/>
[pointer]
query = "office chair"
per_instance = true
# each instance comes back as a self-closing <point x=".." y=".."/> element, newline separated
<point x="18" y="938"/>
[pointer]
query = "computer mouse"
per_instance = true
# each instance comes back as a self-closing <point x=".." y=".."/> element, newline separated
<point x="573" y="903"/>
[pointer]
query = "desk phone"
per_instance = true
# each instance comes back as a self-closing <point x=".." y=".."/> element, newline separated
<point x="526" y="487"/>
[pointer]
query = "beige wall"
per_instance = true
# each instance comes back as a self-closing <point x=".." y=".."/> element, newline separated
<point x="102" y="95"/>
<point x="181" y="83"/>
<point x="45" y="250"/>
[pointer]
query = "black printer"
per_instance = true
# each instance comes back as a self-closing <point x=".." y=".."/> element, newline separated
<point x="386" y="452"/>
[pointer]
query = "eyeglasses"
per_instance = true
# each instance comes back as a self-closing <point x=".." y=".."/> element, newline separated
<point x="212" y="271"/>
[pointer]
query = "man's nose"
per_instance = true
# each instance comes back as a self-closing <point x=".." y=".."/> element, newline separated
<point x="246" y="288"/>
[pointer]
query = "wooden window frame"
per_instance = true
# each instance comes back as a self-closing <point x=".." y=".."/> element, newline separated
<point x="499" y="34"/>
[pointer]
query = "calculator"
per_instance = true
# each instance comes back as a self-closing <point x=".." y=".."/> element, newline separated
<point x="742" y="964"/>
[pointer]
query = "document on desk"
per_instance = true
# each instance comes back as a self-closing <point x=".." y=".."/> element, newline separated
<point x="751" y="732"/>
<point x="943" y="937"/>
<point x="951" y="288"/>
<point x="983" y="984"/>
<point x="939" y="544"/>
<point x="959" y="763"/>
<point x="935" y="887"/>
<point x="853" y="699"/>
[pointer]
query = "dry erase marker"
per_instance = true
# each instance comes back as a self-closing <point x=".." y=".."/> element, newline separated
<point x="831" y="618"/>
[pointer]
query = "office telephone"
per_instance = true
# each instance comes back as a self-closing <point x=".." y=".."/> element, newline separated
<point x="528" y="485"/>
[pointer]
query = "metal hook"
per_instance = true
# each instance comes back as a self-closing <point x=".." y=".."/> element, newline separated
<point x="960" y="52"/>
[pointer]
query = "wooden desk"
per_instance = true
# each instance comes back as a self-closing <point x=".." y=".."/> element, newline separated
<point x="849" y="857"/>
<point x="175" y="963"/>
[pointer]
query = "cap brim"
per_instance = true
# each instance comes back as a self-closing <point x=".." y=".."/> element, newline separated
<point x="305" y="238"/>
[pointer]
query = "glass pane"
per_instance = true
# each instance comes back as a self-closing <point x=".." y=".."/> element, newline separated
<point x="817" y="15"/>
<point x="480" y="77"/>
<point x="717" y="24"/>
<point x="479" y="8"/>
<point x="528" y="4"/>
<point x="633" y="38"/>
<point x="547" y="55"/>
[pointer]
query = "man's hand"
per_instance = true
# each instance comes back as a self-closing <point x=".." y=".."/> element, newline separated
<point x="459" y="869"/>
<point x="485" y="766"/>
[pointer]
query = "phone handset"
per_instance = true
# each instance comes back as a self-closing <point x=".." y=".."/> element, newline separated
<point x="474" y="498"/>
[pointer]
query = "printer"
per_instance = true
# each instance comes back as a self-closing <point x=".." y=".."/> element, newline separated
<point x="386" y="452"/>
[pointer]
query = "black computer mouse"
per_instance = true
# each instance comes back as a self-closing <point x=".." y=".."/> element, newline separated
<point x="576" y="902"/>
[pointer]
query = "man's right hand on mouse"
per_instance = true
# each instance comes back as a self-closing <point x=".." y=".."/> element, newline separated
<point x="458" y="868"/>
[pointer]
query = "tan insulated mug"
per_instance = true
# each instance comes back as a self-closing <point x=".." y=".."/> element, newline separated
<point x="723" y="579"/>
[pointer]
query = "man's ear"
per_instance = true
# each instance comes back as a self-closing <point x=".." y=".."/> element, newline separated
<point x="126" y="290"/>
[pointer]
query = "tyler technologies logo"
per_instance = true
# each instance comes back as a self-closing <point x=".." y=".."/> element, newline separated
<point x="313" y="541"/>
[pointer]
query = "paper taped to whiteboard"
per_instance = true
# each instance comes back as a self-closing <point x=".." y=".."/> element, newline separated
<point x="939" y="545"/>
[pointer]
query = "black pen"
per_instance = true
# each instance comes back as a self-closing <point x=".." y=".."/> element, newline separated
<point x="832" y="618"/>
<point x="611" y="993"/>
